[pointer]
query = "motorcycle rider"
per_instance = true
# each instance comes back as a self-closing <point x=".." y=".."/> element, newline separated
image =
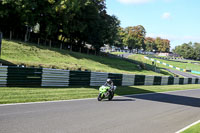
<point x="109" y="83"/>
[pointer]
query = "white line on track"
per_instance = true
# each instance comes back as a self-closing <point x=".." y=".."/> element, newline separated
<point x="90" y="98"/>
<point x="188" y="126"/>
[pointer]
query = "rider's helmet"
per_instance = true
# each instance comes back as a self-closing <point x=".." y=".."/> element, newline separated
<point x="109" y="81"/>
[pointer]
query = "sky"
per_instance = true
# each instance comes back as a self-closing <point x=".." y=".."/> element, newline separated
<point x="175" y="20"/>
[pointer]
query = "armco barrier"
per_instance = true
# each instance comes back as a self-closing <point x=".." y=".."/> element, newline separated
<point x="116" y="78"/>
<point x="17" y="76"/>
<point x="128" y="80"/>
<point x="3" y="75"/>
<point x="79" y="78"/>
<point x="54" y="77"/>
<point x="98" y="78"/>
<point x="157" y="80"/>
<point x="45" y="77"/>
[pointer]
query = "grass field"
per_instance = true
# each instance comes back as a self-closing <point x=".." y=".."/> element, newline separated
<point x="193" y="129"/>
<point x="117" y="53"/>
<point x="34" y="55"/>
<point x="23" y="94"/>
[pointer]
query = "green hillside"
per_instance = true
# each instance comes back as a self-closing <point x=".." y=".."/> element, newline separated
<point x="140" y="58"/>
<point x="40" y="56"/>
<point x="189" y="66"/>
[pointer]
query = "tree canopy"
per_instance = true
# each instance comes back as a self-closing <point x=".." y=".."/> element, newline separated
<point x="72" y="22"/>
<point x="188" y="50"/>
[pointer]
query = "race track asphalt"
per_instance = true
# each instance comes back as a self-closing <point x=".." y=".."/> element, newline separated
<point x="184" y="74"/>
<point x="151" y="113"/>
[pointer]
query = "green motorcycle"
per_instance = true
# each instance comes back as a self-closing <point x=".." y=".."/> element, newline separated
<point x="104" y="92"/>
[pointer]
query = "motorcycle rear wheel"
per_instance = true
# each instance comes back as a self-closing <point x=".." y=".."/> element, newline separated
<point x="111" y="95"/>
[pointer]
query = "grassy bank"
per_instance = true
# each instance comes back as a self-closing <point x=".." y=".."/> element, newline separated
<point x="21" y="95"/>
<point x="34" y="55"/>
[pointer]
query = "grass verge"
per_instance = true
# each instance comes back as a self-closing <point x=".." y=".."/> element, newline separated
<point x="193" y="129"/>
<point x="117" y="53"/>
<point x="25" y="94"/>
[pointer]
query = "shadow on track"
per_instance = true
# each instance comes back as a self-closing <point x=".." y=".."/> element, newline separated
<point x="158" y="97"/>
<point x="127" y="94"/>
<point x="170" y="98"/>
<point x="122" y="100"/>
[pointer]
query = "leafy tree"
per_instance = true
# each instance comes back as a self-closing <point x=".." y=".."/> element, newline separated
<point x="120" y="37"/>
<point x="166" y="45"/>
<point x="188" y="50"/>
<point x="134" y="37"/>
<point x="129" y="39"/>
<point x="150" y="44"/>
<point x="87" y="22"/>
<point x="74" y="22"/>
<point x="159" y="44"/>
<point x="185" y="50"/>
<point x="9" y="11"/>
<point x="112" y="30"/>
<point x="162" y="45"/>
<point x="197" y="51"/>
<point x="139" y="36"/>
<point x="27" y="14"/>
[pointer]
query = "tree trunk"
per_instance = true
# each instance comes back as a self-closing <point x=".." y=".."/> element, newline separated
<point x="137" y="50"/>
<point x="38" y="41"/>
<point x="10" y="35"/>
<point x="46" y="37"/>
<point x="29" y="34"/>
<point x="26" y="35"/>
<point x="71" y="48"/>
<point x="1" y="36"/>
<point x="50" y="43"/>
<point x="80" y="50"/>
<point x="17" y="36"/>
<point x="45" y="42"/>
<point x="61" y="46"/>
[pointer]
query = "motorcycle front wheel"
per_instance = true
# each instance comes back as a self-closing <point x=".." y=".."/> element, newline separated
<point x="99" y="98"/>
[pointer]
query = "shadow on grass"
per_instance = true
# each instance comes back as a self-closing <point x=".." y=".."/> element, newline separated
<point x="7" y="63"/>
